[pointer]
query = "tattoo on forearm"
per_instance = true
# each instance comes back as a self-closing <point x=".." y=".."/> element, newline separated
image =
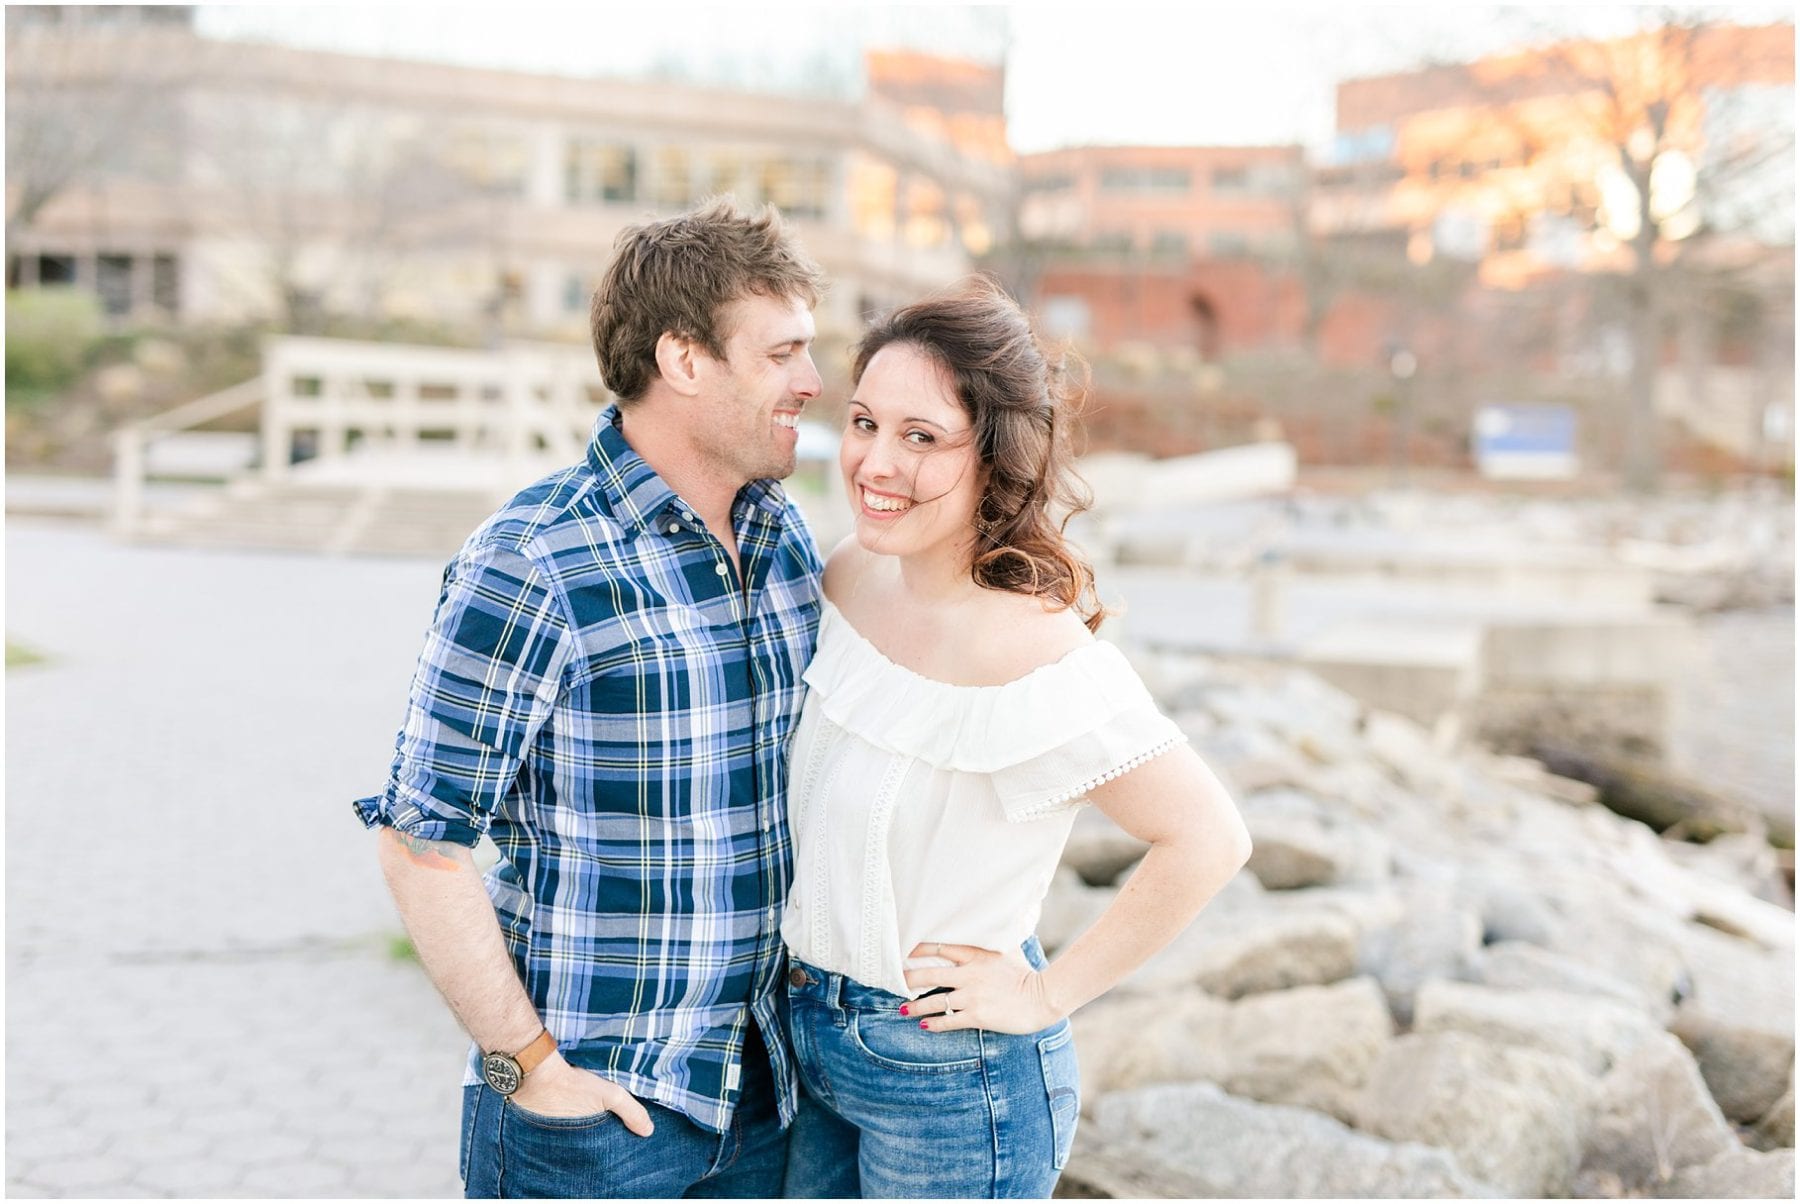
<point x="424" y="852"/>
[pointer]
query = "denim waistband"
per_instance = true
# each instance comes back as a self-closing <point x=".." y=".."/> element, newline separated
<point x="807" y="981"/>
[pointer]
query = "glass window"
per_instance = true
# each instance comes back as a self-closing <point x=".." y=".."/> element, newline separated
<point x="799" y="188"/>
<point x="926" y="224"/>
<point x="56" y="269"/>
<point x="599" y="171"/>
<point x="1169" y="242"/>
<point x="972" y="225"/>
<point x="874" y="186"/>
<point x="165" y="284"/>
<point x="1146" y="179"/>
<point x="1230" y="179"/>
<point x="671" y="178"/>
<point x="114" y="284"/>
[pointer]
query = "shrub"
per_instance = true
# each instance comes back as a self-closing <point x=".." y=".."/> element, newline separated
<point x="49" y="336"/>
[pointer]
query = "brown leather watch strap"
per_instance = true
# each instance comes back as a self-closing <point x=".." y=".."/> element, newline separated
<point x="532" y="1055"/>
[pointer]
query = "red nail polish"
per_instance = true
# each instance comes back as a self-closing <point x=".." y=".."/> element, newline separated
<point x="921" y="1024"/>
<point x="904" y="1011"/>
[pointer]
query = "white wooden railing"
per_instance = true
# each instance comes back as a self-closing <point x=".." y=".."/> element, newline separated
<point x="329" y="399"/>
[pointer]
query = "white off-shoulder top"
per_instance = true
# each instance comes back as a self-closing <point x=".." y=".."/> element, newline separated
<point x="923" y="811"/>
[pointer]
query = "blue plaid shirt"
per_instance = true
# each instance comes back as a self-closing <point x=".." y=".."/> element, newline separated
<point x="600" y="697"/>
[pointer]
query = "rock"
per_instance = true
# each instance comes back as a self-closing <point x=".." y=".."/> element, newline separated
<point x="1516" y="1118"/>
<point x="1738" y="1020"/>
<point x="1193" y="1141"/>
<point x="1517" y="965"/>
<point x="1508" y="910"/>
<point x="1594" y="1033"/>
<point x="1298" y="842"/>
<point x="1070" y="907"/>
<point x="1737" y="1175"/>
<point x="1747" y="1065"/>
<point x="1236" y="952"/>
<point x="1248" y="757"/>
<point x="1309" y="1046"/>
<point x="1406" y="748"/>
<point x="1126" y="1041"/>
<point x="1435" y="938"/>
<point x="1605" y="932"/>
<point x="1653" y="1118"/>
<point x="1775" y="1131"/>
<point x="1099" y="850"/>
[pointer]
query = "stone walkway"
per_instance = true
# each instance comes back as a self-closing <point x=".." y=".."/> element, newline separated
<point x="203" y="992"/>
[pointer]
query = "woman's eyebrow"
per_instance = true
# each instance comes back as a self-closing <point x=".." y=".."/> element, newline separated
<point x="928" y="422"/>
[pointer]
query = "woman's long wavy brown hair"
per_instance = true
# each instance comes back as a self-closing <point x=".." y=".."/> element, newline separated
<point x="1022" y="402"/>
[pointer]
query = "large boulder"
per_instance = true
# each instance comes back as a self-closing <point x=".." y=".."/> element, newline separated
<point x="1236" y="952"/>
<point x="1738" y="1019"/>
<point x="1517" y="965"/>
<point x="1516" y="1118"/>
<point x="1435" y="937"/>
<point x="1593" y="1032"/>
<point x="1194" y="1141"/>
<point x="1775" y="1131"/>
<point x="1310" y="1046"/>
<point x="1248" y="757"/>
<point x="1124" y="1041"/>
<point x="1100" y="850"/>
<point x="1070" y="907"/>
<point x="1654" y="1118"/>
<point x="1738" y="1174"/>
<point x="1747" y="1064"/>
<point x="1289" y="852"/>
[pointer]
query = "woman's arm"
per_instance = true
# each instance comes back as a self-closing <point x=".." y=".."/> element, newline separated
<point x="1197" y="842"/>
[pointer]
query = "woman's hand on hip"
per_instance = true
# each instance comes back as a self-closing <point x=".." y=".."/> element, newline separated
<point x="988" y="989"/>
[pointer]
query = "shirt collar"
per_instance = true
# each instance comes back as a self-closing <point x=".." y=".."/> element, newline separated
<point x="637" y="495"/>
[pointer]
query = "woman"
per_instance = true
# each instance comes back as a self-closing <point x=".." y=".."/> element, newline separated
<point x="960" y="709"/>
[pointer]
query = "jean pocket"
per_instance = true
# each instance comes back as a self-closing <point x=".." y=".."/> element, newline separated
<point x="558" y="1124"/>
<point x="1062" y="1087"/>
<point x="898" y="1043"/>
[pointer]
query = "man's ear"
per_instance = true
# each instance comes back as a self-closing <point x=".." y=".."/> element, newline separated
<point x="678" y="360"/>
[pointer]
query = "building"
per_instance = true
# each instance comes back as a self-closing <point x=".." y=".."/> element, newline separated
<point x="215" y="181"/>
<point x="1529" y="163"/>
<point x="1166" y="202"/>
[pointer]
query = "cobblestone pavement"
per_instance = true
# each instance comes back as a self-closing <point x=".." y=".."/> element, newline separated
<point x="203" y="996"/>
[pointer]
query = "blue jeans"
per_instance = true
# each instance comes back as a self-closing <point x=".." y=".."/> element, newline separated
<point x="890" y="1110"/>
<point x="510" y="1153"/>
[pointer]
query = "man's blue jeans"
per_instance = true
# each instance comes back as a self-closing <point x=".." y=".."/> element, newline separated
<point x="509" y="1153"/>
<point x="890" y="1110"/>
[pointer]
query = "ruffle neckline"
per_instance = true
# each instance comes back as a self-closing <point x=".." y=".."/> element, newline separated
<point x="970" y="729"/>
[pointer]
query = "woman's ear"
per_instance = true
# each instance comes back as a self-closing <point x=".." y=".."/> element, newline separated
<point x="677" y="360"/>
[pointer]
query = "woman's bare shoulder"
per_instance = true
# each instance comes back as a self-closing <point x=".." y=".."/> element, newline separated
<point x="844" y="568"/>
<point x="1016" y="634"/>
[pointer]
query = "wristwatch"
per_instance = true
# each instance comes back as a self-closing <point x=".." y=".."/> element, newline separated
<point x="504" y="1072"/>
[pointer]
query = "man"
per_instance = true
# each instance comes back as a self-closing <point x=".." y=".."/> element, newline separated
<point x="606" y="690"/>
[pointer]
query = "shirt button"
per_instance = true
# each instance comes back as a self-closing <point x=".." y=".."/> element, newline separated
<point x="674" y="527"/>
<point x="685" y="514"/>
<point x="720" y="569"/>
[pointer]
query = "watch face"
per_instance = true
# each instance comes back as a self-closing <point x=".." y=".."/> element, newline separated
<point x="502" y="1073"/>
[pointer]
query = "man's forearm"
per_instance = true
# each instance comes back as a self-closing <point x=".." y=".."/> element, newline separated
<point x="451" y="921"/>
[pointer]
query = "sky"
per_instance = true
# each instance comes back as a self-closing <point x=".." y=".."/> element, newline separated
<point x="1190" y="74"/>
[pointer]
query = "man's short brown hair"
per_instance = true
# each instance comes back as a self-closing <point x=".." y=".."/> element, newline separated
<point x="676" y="276"/>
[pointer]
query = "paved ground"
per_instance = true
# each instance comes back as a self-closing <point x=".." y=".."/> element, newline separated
<point x="202" y="998"/>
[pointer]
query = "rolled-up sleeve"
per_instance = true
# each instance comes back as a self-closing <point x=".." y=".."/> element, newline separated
<point x="487" y="682"/>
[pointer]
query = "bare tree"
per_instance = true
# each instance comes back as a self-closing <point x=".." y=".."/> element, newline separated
<point x="85" y="103"/>
<point x="1642" y="136"/>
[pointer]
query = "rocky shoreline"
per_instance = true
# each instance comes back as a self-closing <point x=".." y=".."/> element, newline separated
<point x="1444" y="973"/>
